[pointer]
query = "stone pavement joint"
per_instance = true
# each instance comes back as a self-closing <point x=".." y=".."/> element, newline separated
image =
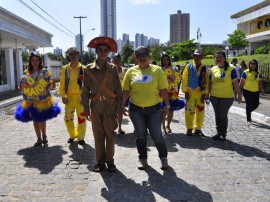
<point x="200" y="169"/>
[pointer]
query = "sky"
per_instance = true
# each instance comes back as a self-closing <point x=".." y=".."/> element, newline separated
<point x="148" y="17"/>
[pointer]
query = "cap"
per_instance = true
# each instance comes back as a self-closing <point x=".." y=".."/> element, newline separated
<point x="141" y="49"/>
<point x="72" y="49"/>
<point x="197" y="52"/>
<point x="103" y="40"/>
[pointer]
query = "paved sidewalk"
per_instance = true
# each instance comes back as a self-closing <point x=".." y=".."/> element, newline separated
<point x="201" y="169"/>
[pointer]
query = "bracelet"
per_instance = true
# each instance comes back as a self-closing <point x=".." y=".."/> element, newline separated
<point x="168" y="106"/>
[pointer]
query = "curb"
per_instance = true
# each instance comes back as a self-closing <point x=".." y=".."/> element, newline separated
<point x="255" y="115"/>
<point x="10" y="101"/>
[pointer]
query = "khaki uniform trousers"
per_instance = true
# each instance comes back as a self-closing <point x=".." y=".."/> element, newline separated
<point x="103" y="126"/>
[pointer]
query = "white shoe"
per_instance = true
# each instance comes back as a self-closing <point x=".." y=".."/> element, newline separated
<point x="164" y="163"/>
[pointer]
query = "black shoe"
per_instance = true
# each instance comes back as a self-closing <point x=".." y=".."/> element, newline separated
<point x="81" y="142"/>
<point x="121" y="132"/>
<point x="216" y="137"/>
<point x="70" y="140"/>
<point x="38" y="143"/>
<point x="199" y="133"/>
<point x="98" y="167"/>
<point x="223" y="139"/>
<point x="189" y="132"/>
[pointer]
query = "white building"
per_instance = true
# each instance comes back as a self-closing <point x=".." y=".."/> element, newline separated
<point x="17" y="34"/>
<point x="57" y="51"/>
<point x="108" y="18"/>
<point x="255" y="23"/>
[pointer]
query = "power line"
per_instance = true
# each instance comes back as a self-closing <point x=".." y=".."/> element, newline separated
<point x="52" y="17"/>
<point x="45" y="18"/>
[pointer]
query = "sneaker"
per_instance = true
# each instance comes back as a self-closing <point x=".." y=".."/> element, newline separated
<point x="189" y="132"/>
<point x="199" y="133"/>
<point x="164" y="163"/>
<point x="81" y="142"/>
<point x="142" y="164"/>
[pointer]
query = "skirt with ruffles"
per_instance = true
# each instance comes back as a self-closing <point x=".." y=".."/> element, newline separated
<point x="38" y="111"/>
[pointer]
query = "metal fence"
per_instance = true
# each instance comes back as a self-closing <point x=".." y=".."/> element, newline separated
<point x="264" y="68"/>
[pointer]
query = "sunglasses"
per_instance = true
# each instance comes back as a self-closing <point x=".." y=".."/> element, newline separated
<point x="141" y="55"/>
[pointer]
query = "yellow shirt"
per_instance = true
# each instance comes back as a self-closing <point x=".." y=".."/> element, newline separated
<point x="144" y="85"/>
<point x="222" y="82"/>
<point x="251" y="80"/>
<point x="73" y="87"/>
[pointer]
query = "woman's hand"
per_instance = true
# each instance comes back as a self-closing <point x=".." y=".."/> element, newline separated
<point x="124" y="111"/>
<point x="64" y="100"/>
<point x="187" y="96"/>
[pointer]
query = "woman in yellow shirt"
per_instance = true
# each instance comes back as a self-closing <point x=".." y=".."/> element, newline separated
<point x="251" y="83"/>
<point x="145" y="83"/>
<point x="223" y="78"/>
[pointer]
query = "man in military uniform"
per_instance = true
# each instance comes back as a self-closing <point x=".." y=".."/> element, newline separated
<point x="102" y="92"/>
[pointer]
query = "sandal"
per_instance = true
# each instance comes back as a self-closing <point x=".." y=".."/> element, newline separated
<point x="45" y="141"/>
<point x="168" y="129"/>
<point x="111" y="168"/>
<point x="38" y="143"/>
<point x="98" y="167"/>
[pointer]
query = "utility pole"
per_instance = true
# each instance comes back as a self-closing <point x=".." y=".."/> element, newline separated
<point x="80" y="17"/>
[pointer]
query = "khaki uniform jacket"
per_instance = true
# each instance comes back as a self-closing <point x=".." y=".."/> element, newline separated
<point x="90" y="89"/>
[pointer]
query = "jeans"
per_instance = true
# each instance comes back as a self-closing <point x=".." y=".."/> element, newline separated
<point x="252" y="102"/>
<point x="148" y="118"/>
<point x="221" y="107"/>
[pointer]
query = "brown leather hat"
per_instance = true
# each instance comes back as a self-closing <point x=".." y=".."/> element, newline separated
<point x="103" y="40"/>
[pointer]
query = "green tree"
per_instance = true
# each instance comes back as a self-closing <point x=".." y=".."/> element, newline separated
<point x="237" y="40"/>
<point x="88" y="57"/>
<point x="25" y="56"/>
<point x="126" y="54"/>
<point x="183" y="50"/>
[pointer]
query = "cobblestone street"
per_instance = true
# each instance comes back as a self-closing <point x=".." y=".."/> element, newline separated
<point x="200" y="168"/>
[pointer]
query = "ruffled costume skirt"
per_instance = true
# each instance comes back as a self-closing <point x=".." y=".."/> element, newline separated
<point x="175" y="104"/>
<point x="38" y="111"/>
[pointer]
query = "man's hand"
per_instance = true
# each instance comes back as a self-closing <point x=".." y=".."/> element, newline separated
<point x="64" y="100"/>
<point x="87" y="116"/>
<point x="203" y="98"/>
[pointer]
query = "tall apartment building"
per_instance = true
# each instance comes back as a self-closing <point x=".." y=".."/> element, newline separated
<point x="179" y="27"/>
<point x="141" y="40"/>
<point x="108" y="18"/>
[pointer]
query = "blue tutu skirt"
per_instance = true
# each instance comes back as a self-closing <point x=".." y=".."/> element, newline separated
<point x="175" y="104"/>
<point x="33" y="114"/>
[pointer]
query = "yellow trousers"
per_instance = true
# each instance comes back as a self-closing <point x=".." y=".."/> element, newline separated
<point x="194" y="110"/>
<point x="73" y="105"/>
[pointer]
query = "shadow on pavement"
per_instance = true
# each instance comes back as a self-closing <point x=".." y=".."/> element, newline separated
<point x="195" y="142"/>
<point x="168" y="186"/>
<point x="43" y="158"/>
<point x="84" y="155"/>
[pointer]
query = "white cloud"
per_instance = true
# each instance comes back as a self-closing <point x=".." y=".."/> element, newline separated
<point x="140" y="2"/>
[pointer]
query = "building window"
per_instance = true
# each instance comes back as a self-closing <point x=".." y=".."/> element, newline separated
<point x="3" y="70"/>
<point x="267" y="22"/>
<point x="260" y="25"/>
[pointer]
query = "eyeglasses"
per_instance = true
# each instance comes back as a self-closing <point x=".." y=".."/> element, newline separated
<point x="141" y="55"/>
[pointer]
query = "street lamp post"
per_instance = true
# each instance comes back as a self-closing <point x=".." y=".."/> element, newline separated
<point x="227" y="51"/>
